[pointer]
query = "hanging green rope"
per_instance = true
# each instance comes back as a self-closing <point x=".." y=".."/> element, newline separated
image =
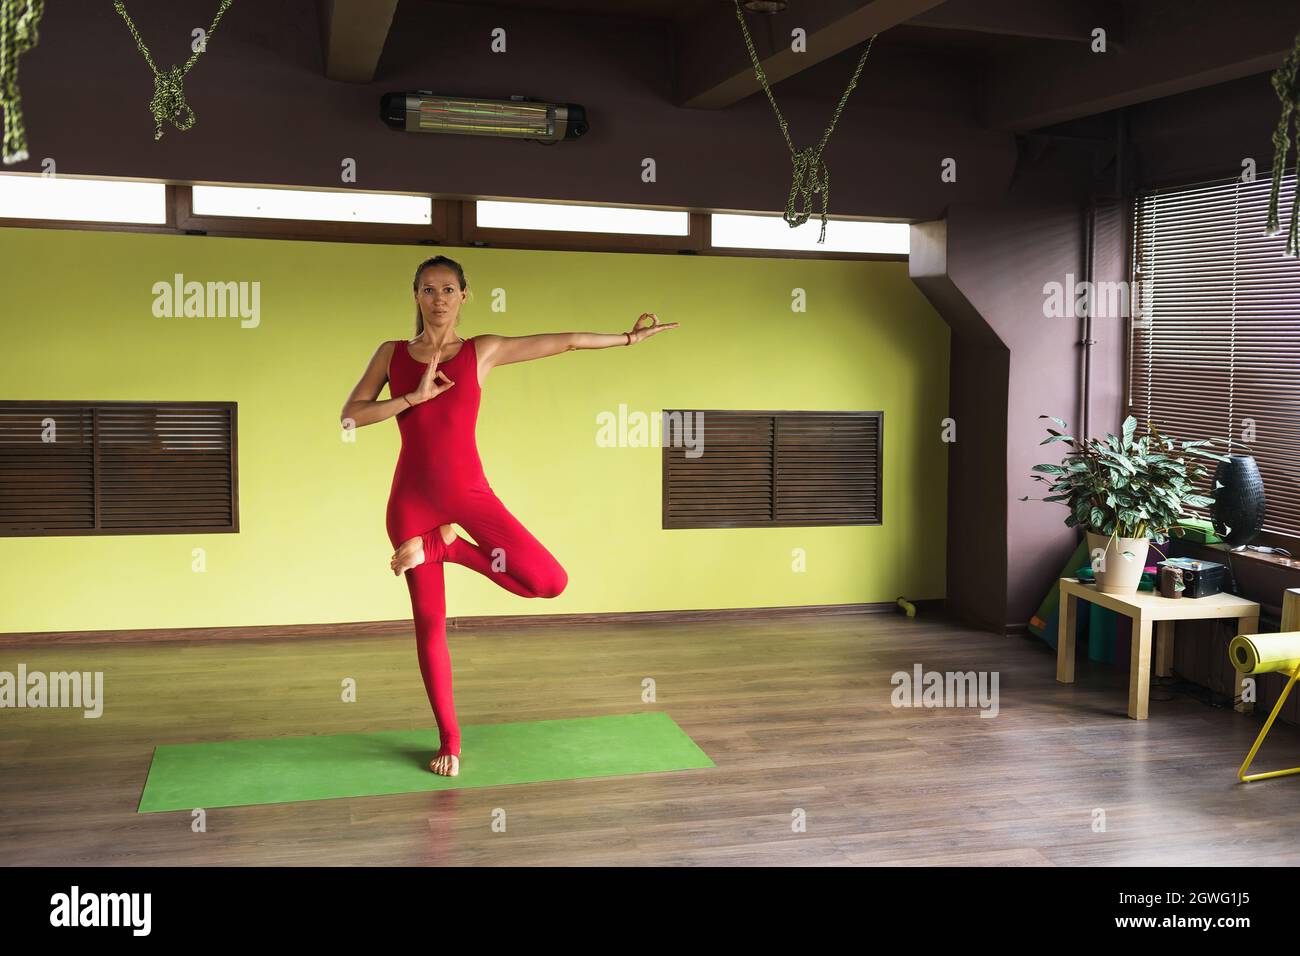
<point x="168" y="101"/>
<point x="810" y="173"/>
<point x="18" y="22"/>
<point x="1286" y="82"/>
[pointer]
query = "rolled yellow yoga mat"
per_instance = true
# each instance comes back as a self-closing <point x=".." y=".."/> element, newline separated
<point x="1263" y="653"/>
<point x="1260" y="654"/>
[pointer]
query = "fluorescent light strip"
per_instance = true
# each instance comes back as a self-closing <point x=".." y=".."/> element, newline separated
<point x="734" y="231"/>
<point x="558" y="217"/>
<point x="81" y="200"/>
<point x="262" y="203"/>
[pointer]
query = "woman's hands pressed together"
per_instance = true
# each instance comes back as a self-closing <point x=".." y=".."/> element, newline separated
<point x="429" y="386"/>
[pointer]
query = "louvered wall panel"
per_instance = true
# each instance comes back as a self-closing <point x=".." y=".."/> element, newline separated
<point x="47" y="469"/>
<point x="729" y="484"/>
<point x="164" y="466"/>
<point x="141" y="468"/>
<point x="827" y="468"/>
<point x="766" y="469"/>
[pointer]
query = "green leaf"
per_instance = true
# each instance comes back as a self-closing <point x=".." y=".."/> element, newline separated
<point x="1130" y="426"/>
<point x="1120" y="459"/>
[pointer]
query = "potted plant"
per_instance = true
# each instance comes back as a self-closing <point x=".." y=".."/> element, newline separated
<point x="1125" y="494"/>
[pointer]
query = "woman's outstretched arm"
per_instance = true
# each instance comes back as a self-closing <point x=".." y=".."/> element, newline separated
<point x="497" y="350"/>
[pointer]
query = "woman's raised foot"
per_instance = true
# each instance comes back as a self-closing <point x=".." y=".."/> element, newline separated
<point x="410" y="554"/>
<point x="413" y="551"/>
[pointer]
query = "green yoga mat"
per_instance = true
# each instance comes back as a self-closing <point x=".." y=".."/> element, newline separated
<point x="241" y="773"/>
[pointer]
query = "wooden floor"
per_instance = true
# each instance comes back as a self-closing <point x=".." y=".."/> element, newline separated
<point x="796" y="713"/>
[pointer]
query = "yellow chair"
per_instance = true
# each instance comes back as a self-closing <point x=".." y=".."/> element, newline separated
<point x="1266" y="653"/>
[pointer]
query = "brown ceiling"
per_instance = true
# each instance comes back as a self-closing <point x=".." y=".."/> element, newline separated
<point x="1018" y="65"/>
<point x="1011" y="13"/>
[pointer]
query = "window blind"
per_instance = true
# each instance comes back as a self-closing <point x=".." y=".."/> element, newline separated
<point x="1214" y="348"/>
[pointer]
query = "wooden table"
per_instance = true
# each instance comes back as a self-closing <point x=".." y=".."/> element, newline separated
<point x="1147" y="608"/>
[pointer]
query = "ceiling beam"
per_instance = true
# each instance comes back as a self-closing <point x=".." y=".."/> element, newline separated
<point x="1038" y="19"/>
<point x="353" y="34"/>
<point x="713" y="68"/>
<point x="1207" y="44"/>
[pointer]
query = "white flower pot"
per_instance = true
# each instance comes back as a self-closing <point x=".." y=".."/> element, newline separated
<point x="1117" y="563"/>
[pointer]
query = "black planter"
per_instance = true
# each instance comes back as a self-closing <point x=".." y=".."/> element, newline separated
<point x="1238" y="500"/>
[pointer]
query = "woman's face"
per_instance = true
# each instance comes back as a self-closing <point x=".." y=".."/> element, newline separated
<point x="439" y="297"/>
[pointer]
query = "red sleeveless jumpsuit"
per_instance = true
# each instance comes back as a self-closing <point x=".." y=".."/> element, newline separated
<point x="439" y="480"/>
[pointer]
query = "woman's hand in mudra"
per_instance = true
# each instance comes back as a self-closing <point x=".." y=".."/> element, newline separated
<point x="430" y="386"/>
<point x="652" y="327"/>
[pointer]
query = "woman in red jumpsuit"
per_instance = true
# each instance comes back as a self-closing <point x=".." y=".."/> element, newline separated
<point x="435" y="382"/>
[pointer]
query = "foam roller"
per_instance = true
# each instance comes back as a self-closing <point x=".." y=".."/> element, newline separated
<point x="1264" y="653"/>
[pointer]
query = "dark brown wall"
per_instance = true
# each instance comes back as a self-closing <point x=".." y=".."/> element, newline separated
<point x="985" y="272"/>
<point x="1000" y="256"/>
<point x="1207" y="133"/>
<point x="978" y="369"/>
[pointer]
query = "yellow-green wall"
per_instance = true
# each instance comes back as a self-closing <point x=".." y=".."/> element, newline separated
<point x="77" y="324"/>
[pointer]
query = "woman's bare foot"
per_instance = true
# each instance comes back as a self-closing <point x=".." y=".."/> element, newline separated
<point x="447" y="765"/>
<point x="410" y="554"/>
